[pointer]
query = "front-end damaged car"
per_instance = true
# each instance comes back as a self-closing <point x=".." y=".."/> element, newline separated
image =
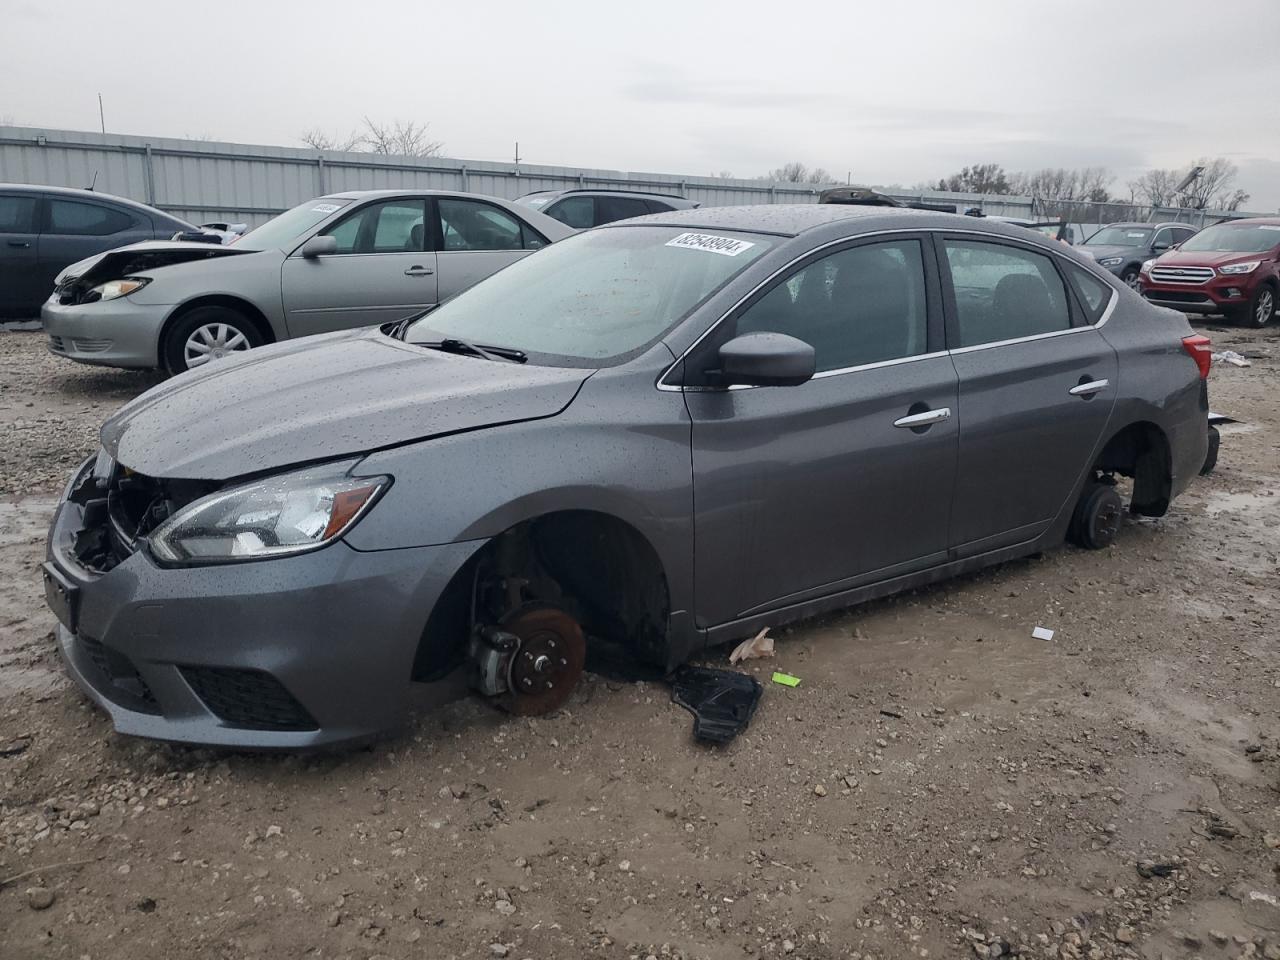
<point x="646" y="439"/>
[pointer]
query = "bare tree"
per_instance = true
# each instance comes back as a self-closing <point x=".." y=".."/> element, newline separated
<point x="402" y="138"/>
<point x="797" y="172"/>
<point x="320" y="140"/>
<point x="1155" y="187"/>
<point x="979" y="178"/>
<point x="1213" y="187"/>
<point x="1087" y="184"/>
<point x="722" y="175"/>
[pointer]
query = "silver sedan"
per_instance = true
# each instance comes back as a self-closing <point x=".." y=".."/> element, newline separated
<point x="346" y="260"/>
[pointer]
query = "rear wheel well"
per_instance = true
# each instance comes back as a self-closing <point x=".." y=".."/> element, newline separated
<point x="599" y="569"/>
<point x="244" y="307"/>
<point x="1141" y="451"/>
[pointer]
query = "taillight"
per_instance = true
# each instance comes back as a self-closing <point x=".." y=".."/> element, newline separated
<point x="1200" y="349"/>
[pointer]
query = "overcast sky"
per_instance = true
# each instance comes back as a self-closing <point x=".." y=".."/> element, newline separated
<point x="886" y="92"/>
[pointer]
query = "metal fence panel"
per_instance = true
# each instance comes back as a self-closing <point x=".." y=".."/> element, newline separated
<point x="205" y="180"/>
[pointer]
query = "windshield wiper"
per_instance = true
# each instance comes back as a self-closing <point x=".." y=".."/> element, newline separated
<point x="454" y="345"/>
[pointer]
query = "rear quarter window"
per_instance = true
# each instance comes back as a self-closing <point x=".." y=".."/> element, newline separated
<point x="1094" y="293"/>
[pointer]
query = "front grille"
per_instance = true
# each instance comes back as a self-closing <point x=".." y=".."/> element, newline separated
<point x="1182" y="274"/>
<point x="1178" y="296"/>
<point x="248" y="699"/>
<point x="118" y="679"/>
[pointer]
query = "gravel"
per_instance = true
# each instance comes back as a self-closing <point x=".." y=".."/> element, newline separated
<point x="986" y="794"/>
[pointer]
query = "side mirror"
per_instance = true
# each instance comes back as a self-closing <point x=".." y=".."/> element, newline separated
<point x="1160" y="247"/>
<point x="319" y="246"/>
<point x="766" y="360"/>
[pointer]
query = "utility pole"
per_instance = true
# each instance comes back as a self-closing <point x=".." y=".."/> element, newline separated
<point x="517" y="153"/>
<point x="101" y="117"/>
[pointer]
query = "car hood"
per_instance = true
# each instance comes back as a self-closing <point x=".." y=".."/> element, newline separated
<point x="147" y="255"/>
<point x="323" y="398"/>
<point x="1206" y="258"/>
<point x="1103" y="251"/>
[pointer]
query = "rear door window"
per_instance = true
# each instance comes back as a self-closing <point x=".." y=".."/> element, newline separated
<point x="79" y="219"/>
<point x="473" y="225"/>
<point x="610" y="209"/>
<point x="1003" y="292"/>
<point x="17" y="214"/>
<point x="576" y="212"/>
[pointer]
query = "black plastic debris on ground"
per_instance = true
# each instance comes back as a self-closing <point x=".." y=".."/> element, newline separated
<point x="722" y="701"/>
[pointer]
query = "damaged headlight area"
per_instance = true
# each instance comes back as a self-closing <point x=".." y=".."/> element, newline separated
<point x="115" y="289"/>
<point x="274" y="517"/>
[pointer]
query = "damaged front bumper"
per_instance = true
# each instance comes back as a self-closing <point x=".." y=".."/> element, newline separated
<point x="112" y="333"/>
<point x="286" y="653"/>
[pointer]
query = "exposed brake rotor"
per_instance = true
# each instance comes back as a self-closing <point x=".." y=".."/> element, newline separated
<point x="547" y="664"/>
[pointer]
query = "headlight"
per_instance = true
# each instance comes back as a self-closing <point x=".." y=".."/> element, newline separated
<point x="113" y="289"/>
<point x="279" y="516"/>
<point x="1235" y="269"/>
<point x="1111" y="262"/>
<point x="1146" y="266"/>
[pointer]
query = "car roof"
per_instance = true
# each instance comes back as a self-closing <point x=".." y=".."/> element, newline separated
<point x="76" y="193"/>
<point x="1250" y="222"/>
<point x="409" y="192"/>
<point x="789" y="219"/>
<point x="1153" y="226"/>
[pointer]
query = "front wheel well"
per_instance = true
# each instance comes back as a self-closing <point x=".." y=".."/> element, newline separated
<point x="598" y="568"/>
<point x="1141" y="451"/>
<point x="250" y="312"/>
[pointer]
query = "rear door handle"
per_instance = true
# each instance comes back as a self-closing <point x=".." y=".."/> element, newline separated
<point x="418" y="272"/>
<point x="1089" y="389"/>
<point x="19" y="243"/>
<point x="923" y="419"/>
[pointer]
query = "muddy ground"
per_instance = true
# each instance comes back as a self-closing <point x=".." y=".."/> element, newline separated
<point x="940" y="784"/>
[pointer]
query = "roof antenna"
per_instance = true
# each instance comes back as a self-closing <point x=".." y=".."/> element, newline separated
<point x="94" y="183"/>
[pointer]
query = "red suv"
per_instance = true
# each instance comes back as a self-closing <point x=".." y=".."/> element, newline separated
<point x="1231" y="268"/>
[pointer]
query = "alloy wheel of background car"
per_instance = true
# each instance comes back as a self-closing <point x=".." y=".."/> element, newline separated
<point x="547" y="665"/>
<point x="205" y="334"/>
<point x="1097" y="517"/>
<point x="1263" y="307"/>
<point x="1130" y="278"/>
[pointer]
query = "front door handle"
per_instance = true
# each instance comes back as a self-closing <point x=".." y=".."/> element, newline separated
<point x="418" y="272"/>
<point x="1089" y="388"/>
<point x="19" y="243"/>
<point x="924" y="419"/>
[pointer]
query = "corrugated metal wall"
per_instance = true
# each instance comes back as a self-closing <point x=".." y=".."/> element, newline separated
<point x="203" y="180"/>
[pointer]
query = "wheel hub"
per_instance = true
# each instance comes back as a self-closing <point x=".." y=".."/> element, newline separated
<point x="548" y="662"/>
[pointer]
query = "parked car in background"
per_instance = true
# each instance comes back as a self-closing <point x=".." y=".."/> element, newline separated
<point x="345" y="260"/>
<point x="1231" y="268"/>
<point x="42" y="229"/>
<point x="583" y="209"/>
<point x="656" y="436"/>
<point x="1122" y="248"/>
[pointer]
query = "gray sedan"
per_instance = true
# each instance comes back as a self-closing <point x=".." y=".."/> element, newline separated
<point x="650" y="438"/>
<point x="341" y="261"/>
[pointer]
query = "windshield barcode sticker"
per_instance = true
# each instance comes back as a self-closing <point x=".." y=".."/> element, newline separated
<point x="725" y="246"/>
<point x="1267" y="226"/>
<point x="325" y="208"/>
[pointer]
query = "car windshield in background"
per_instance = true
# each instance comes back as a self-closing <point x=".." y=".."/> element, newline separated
<point x="1120" y="237"/>
<point x="281" y="231"/>
<point x="596" y="297"/>
<point x="1226" y="238"/>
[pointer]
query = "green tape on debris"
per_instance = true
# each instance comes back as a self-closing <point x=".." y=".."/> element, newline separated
<point x="786" y="679"/>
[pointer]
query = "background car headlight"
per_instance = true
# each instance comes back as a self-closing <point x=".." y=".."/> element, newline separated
<point x="1235" y="269"/>
<point x="1111" y="261"/>
<point x="279" y="516"/>
<point x="114" y="289"/>
<point x="1146" y="265"/>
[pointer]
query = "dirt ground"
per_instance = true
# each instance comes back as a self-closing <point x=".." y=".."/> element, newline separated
<point x="940" y="784"/>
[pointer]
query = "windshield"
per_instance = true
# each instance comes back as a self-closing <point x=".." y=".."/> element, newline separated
<point x="1232" y="238"/>
<point x="596" y="297"/>
<point x="1120" y="237"/>
<point x="281" y="231"/>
